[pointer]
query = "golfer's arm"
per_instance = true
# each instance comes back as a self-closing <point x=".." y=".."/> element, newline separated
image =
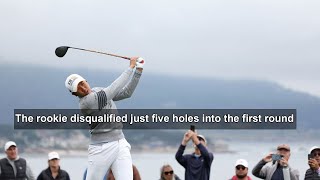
<point x="112" y="90"/>
<point x="128" y="90"/>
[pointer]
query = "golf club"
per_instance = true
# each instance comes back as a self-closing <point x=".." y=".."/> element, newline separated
<point x="62" y="50"/>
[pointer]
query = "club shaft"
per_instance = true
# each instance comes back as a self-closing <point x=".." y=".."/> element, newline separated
<point x="109" y="54"/>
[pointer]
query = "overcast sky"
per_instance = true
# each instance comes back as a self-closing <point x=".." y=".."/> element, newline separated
<point x="275" y="40"/>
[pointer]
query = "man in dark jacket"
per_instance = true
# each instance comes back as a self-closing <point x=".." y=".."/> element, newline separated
<point x="197" y="164"/>
<point x="14" y="167"/>
<point x="53" y="172"/>
<point x="313" y="173"/>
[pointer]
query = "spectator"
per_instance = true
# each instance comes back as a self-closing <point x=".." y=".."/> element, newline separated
<point x="14" y="167"/>
<point x="167" y="173"/>
<point x="197" y="165"/>
<point x="241" y="168"/>
<point x="278" y="169"/>
<point x="313" y="173"/>
<point x="53" y="172"/>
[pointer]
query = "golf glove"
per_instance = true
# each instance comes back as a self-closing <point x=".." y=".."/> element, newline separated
<point x="140" y="62"/>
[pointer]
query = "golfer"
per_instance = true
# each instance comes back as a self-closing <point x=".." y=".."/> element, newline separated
<point x="108" y="147"/>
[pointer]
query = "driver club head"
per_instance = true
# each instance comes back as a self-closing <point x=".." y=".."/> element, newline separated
<point x="61" y="51"/>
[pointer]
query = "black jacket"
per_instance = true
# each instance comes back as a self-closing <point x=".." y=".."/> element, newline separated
<point x="46" y="175"/>
<point x="311" y="175"/>
<point x="7" y="172"/>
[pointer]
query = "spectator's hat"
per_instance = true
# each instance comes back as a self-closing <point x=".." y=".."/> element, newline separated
<point x="314" y="148"/>
<point x="283" y="146"/>
<point x="53" y="155"/>
<point x="242" y="162"/>
<point x="202" y="137"/>
<point x="9" y="144"/>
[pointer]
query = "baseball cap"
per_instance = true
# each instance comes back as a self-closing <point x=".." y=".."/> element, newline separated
<point x="202" y="137"/>
<point x="314" y="148"/>
<point x="283" y="146"/>
<point x="9" y="144"/>
<point x="72" y="82"/>
<point x="242" y="162"/>
<point x="53" y="155"/>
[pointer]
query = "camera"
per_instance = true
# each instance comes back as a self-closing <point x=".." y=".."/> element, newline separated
<point x="276" y="157"/>
<point x="310" y="156"/>
<point x="192" y="128"/>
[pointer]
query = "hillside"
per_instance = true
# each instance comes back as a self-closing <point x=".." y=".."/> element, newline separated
<point x="28" y="87"/>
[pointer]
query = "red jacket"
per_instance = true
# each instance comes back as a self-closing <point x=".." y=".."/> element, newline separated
<point x="235" y="178"/>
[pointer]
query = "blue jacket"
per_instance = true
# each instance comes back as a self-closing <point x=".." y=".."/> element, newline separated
<point x="196" y="167"/>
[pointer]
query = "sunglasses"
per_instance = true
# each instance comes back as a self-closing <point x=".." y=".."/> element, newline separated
<point x="241" y="167"/>
<point x="168" y="172"/>
<point x="316" y="154"/>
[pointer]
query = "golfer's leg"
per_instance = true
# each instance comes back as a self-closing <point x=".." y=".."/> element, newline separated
<point x="100" y="158"/>
<point x="122" y="167"/>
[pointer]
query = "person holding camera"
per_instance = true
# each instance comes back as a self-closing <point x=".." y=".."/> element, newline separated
<point x="197" y="165"/>
<point x="276" y="166"/>
<point x="313" y="173"/>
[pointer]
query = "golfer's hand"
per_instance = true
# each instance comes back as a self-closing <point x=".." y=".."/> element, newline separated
<point x="133" y="62"/>
<point x="268" y="158"/>
<point x="140" y="63"/>
<point x="313" y="164"/>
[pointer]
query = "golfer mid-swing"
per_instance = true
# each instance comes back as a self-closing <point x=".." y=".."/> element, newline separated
<point x="108" y="147"/>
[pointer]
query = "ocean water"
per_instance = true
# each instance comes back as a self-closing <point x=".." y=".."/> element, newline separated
<point x="149" y="164"/>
